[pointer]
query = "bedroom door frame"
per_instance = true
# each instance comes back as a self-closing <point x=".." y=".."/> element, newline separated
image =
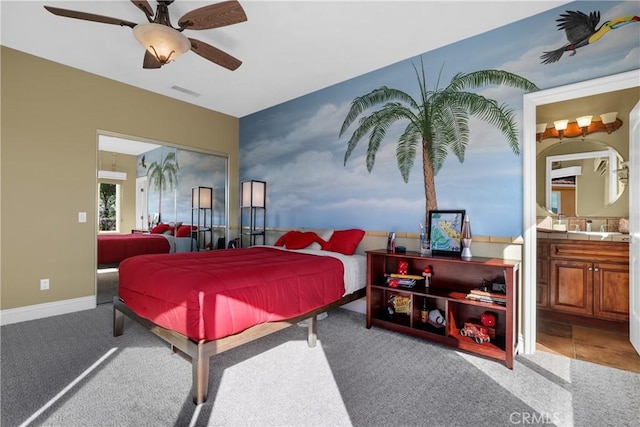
<point x="596" y="86"/>
<point x="142" y="222"/>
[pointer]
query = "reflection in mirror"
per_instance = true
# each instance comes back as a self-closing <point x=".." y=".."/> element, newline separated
<point x="172" y="173"/>
<point x="580" y="177"/>
<point x="159" y="184"/>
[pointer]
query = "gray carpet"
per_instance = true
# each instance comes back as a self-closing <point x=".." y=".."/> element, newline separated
<point x="354" y="377"/>
<point x="107" y="285"/>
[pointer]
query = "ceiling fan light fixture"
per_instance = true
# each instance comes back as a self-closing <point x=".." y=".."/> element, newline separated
<point x="165" y="43"/>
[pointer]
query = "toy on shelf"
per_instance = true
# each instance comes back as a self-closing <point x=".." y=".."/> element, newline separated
<point x="475" y="331"/>
<point x="399" y="304"/>
<point x="488" y="319"/>
<point x="436" y="318"/>
<point x="427" y="276"/>
<point x="403" y="267"/>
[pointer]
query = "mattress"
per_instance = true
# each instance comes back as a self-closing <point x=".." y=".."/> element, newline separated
<point x="113" y="248"/>
<point x="213" y="294"/>
<point x="355" y="266"/>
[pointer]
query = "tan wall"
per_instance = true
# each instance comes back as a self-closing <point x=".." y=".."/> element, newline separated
<point x="621" y="101"/>
<point x="49" y="122"/>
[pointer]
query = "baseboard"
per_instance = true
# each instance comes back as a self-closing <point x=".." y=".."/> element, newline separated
<point x="40" y="311"/>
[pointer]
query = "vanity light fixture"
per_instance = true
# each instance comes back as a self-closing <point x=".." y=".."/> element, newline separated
<point x="561" y="126"/>
<point x="540" y="128"/>
<point x="583" y="123"/>
<point x="582" y="127"/>
<point x="609" y="120"/>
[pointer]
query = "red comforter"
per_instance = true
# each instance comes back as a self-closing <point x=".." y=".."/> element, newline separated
<point x="113" y="248"/>
<point x="213" y="294"/>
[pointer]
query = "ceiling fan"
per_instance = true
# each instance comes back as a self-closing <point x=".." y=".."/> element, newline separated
<point x="162" y="41"/>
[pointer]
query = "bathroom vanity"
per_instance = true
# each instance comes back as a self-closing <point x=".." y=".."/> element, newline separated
<point x="584" y="278"/>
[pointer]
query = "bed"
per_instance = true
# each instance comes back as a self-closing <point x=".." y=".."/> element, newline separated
<point x="204" y="303"/>
<point x="114" y="248"/>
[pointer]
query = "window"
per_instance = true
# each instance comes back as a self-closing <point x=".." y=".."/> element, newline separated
<point x="555" y="202"/>
<point x="108" y="207"/>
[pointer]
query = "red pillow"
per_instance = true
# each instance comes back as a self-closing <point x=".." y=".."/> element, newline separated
<point x="160" y="228"/>
<point x="299" y="240"/>
<point x="283" y="238"/>
<point x="344" y="241"/>
<point x="184" y="230"/>
<point x="302" y="240"/>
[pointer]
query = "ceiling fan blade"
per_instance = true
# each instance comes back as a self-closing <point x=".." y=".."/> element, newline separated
<point x="214" y="55"/>
<point x="213" y="16"/>
<point x="144" y="6"/>
<point x="89" y="17"/>
<point x="150" y="61"/>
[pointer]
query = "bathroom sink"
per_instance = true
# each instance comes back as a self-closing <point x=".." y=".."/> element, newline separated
<point x="596" y="233"/>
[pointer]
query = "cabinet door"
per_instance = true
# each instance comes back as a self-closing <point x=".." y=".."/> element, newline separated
<point x="542" y="296"/>
<point x="611" y="293"/>
<point x="571" y="286"/>
<point x="542" y="275"/>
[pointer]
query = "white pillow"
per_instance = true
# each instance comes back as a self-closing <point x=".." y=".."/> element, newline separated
<point x="324" y="235"/>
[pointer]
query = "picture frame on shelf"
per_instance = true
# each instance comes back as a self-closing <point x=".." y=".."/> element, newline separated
<point x="445" y="231"/>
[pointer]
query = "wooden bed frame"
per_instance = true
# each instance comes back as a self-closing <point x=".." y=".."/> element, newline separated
<point x="201" y="351"/>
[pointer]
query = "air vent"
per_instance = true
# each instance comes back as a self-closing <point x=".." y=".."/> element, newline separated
<point x="187" y="91"/>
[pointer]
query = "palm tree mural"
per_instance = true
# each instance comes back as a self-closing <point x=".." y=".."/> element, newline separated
<point x="163" y="175"/>
<point x="438" y="122"/>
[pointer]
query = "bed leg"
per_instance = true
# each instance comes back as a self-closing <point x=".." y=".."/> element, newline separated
<point x="118" y="322"/>
<point x="312" y="331"/>
<point x="200" y="371"/>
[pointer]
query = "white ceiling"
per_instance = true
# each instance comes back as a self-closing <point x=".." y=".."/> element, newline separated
<point x="288" y="48"/>
<point x="124" y="146"/>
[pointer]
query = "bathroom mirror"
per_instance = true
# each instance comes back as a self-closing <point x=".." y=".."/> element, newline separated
<point x="578" y="177"/>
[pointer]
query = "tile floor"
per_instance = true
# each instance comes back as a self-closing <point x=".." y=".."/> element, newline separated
<point x="601" y="346"/>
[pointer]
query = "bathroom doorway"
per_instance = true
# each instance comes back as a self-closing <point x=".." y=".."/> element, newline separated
<point x="531" y="102"/>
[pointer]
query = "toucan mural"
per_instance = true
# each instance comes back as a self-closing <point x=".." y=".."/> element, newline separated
<point x="581" y="30"/>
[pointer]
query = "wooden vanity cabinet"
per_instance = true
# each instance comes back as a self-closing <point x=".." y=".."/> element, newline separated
<point x="611" y="291"/>
<point x="571" y="286"/>
<point x="589" y="279"/>
<point x="542" y="275"/>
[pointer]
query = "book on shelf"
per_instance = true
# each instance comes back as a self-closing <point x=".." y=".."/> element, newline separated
<point x="405" y="283"/>
<point x="405" y="276"/>
<point x="502" y="300"/>
<point x="488" y="293"/>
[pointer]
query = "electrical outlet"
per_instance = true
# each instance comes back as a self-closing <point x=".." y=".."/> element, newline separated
<point x="44" y="284"/>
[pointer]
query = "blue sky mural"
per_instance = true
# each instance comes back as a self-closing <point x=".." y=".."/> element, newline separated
<point x="295" y="147"/>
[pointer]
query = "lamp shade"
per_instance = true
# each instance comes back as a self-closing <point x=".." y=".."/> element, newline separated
<point x="584" y="121"/>
<point x="165" y="43"/>
<point x="202" y="197"/>
<point x="608" y="118"/>
<point x="254" y="194"/>
<point x="541" y="127"/>
<point x="561" y="124"/>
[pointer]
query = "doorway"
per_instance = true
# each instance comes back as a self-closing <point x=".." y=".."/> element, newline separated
<point x="530" y="103"/>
